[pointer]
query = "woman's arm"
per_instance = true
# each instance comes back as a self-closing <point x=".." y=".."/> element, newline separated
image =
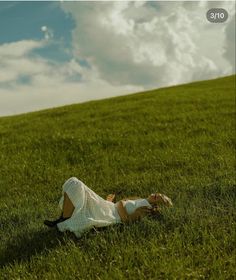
<point x="137" y="215"/>
<point x="122" y="211"/>
<point x="111" y="197"/>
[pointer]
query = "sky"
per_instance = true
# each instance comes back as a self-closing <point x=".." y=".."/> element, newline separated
<point x="58" y="53"/>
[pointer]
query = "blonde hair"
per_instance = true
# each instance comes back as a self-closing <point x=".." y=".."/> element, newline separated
<point x="156" y="210"/>
<point x="166" y="200"/>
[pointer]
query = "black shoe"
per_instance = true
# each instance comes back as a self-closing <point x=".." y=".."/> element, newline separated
<point x="54" y="223"/>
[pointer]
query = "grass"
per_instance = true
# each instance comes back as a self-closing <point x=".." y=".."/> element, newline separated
<point x="178" y="140"/>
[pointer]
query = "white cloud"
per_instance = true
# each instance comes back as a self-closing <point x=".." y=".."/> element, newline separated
<point x="49" y="84"/>
<point x="14" y="61"/>
<point x="44" y="28"/>
<point x="129" y="46"/>
<point x="18" y="49"/>
<point x="50" y="92"/>
<point x="152" y="44"/>
<point x="48" y="32"/>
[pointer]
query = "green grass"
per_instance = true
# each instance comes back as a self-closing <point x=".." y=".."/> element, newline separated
<point x="178" y="140"/>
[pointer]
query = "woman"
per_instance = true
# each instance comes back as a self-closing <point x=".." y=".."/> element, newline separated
<point x="82" y="209"/>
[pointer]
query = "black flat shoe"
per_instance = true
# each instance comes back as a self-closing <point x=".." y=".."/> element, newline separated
<point x="54" y="223"/>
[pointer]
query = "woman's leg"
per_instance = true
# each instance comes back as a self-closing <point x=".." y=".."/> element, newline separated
<point x="74" y="188"/>
<point x="67" y="211"/>
<point x="68" y="207"/>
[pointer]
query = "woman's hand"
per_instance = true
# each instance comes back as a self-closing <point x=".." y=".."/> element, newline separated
<point x="111" y="197"/>
<point x="138" y="214"/>
<point x="142" y="212"/>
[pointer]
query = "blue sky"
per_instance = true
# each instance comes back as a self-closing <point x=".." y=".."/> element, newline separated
<point x="24" y="21"/>
<point x="58" y="53"/>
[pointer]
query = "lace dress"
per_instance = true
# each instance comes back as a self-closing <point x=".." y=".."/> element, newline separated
<point x="91" y="210"/>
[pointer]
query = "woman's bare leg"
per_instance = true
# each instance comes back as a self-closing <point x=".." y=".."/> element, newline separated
<point x="67" y="211"/>
<point x="68" y="207"/>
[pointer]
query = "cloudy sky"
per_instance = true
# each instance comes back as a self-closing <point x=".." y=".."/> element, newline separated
<point x="58" y="53"/>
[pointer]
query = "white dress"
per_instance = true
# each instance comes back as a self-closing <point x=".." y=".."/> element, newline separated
<point x="91" y="210"/>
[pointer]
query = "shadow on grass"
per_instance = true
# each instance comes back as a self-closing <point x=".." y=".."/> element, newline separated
<point x="27" y="244"/>
<point x="23" y="246"/>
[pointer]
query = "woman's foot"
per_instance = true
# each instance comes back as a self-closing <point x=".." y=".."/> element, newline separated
<point x="54" y="223"/>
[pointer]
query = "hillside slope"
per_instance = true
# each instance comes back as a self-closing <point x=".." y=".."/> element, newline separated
<point x="178" y="140"/>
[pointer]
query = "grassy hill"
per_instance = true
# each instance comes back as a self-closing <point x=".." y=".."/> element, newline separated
<point x="178" y="140"/>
